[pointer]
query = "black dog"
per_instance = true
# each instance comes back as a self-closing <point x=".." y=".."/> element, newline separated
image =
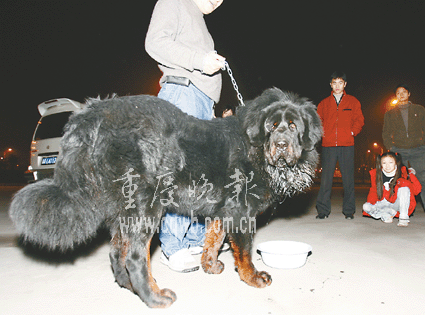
<point x="126" y="161"/>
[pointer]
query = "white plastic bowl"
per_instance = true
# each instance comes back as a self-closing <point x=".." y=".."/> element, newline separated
<point x="284" y="254"/>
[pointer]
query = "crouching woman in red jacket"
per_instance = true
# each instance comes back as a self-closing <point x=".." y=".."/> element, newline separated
<point x="393" y="189"/>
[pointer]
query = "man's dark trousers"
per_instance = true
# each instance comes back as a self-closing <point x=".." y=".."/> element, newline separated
<point x="329" y="157"/>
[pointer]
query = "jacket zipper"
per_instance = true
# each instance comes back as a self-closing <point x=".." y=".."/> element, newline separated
<point x="336" y="129"/>
<point x="337" y="116"/>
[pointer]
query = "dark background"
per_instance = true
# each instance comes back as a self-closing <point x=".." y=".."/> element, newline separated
<point x="79" y="49"/>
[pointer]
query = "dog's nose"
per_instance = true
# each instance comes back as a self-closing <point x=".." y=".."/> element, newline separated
<point x="282" y="145"/>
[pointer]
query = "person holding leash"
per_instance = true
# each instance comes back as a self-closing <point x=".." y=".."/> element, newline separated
<point x="179" y="40"/>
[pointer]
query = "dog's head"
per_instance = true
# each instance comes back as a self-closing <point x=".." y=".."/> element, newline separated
<point x="284" y="124"/>
<point x="285" y="129"/>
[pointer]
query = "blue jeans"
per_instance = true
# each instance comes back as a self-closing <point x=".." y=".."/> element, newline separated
<point x="178" y="232"/>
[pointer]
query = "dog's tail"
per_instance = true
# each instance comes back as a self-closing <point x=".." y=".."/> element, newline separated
<point x="50" y="216"/>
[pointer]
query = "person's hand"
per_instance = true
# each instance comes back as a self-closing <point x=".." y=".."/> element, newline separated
<point x="213" y="62"/>
<point x="412" y="171"/>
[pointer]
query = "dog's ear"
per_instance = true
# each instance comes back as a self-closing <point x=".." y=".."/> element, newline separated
<point x="313" y="126"/>
<point x="255" y="131"/>
<point x="255" y="114"/>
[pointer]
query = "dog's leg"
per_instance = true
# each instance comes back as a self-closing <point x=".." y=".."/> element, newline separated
<point x="213" y="240"/>
<point x="117" y="255"/>
<point x="139" y="269"/>
<point x="241" y="244"/>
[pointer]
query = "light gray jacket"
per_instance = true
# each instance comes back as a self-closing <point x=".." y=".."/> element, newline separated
<point x="178" y="39"/>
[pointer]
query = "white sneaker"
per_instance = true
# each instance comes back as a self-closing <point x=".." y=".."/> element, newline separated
<point x="403" y="222"/>
<point x="196" y="250"/>
<point x="181" y="261"/>
<point x="387" y="220"/>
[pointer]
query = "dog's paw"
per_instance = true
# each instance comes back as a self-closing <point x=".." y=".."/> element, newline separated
<point x="260" y="279"/>
<point x="163" y="299"/>
<point x="213" y="267"/>
<point x="170" y="294"/>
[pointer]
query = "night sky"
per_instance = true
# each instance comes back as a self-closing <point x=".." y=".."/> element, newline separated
<point x="79" y="49"/>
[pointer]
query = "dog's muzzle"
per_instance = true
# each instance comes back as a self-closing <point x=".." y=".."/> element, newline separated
<point x="282" y="154"/>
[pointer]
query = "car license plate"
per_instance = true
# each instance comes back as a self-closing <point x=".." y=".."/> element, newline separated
<point x="49" y="160"/>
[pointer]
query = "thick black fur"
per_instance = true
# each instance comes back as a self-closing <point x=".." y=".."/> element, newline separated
<point x="271" y="141"/>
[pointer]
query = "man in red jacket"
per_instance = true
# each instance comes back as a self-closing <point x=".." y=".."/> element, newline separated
<point x="342" y="120"/>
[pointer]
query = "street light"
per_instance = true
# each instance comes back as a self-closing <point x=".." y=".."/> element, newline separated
<point x="390" y="104"/>
<point x="7" y="153"/>
<point x="377" y="146"/>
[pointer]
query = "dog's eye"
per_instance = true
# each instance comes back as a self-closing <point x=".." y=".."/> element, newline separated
<point x="275" y="125"/>
<point x="292" y="126"/>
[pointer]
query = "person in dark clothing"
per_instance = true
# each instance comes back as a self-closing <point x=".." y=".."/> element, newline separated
<point x="403" y="132"/>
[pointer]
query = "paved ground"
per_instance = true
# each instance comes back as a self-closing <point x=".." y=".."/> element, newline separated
<point x="361" y="266"/>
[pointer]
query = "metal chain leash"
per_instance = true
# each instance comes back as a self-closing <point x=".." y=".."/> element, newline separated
<point x="235" y="86"/>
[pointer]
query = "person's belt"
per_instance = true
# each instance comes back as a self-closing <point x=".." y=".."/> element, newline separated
<point x="177" y="80"/>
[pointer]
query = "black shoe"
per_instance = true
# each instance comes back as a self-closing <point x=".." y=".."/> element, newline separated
<point x="349" y="217"/>
<point x="321" y="216"/>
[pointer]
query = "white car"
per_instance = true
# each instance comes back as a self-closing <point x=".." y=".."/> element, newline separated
<point x="45" y="145"/>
